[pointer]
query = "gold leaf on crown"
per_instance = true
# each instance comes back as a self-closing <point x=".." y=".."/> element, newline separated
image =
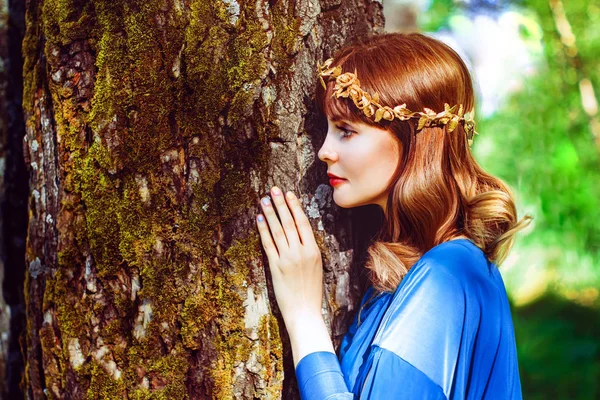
<point x="347" y="85"/>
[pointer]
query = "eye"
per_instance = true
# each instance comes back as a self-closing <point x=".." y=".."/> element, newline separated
<point x="346" y="133"/>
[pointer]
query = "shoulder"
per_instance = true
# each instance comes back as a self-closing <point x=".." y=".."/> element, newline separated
<point x="438" y="282"/>
<point x="443" y="278"/>
<point x="429" y="312"/>
<point x="453" y="263"/>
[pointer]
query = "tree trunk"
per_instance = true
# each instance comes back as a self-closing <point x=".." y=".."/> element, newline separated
<point x="14" y="191"/>
<point x="152" y="130"/>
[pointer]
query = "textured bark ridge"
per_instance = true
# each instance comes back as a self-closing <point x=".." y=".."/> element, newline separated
<point x="152" y="129"/>
<point x="14" y="192"/>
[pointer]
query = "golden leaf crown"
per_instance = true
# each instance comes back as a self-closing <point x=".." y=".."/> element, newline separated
<point x="348" y="85"/>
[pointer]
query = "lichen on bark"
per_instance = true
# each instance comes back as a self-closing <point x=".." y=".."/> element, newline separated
<point x="163" y="118"/>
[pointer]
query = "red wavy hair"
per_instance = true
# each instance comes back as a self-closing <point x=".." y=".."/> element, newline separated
<point x="438" y="191"/>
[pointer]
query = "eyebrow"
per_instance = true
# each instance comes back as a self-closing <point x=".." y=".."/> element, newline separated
<point x="336" y="119"/>
<point x="342" y="123"/>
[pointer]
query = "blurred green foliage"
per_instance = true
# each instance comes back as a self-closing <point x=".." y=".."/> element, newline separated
<point x="553" y="160"/>
<point x="540" y="142"/>
<point x="557" y="344"/>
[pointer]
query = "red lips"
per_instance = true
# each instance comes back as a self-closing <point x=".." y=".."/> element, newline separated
<point x="332" y="176"/>
<point x="335" y="180"/>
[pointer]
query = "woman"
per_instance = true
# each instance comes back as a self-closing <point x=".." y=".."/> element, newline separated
<point x="435" y="322"/>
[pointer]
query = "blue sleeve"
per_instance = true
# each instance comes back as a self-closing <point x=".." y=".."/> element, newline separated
<point x="320" y="377"/>
<point x="389" y="377"/>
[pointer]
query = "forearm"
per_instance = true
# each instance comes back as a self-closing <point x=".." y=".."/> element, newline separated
<point x="308" y="334"/>
<point x="317" y="368"/>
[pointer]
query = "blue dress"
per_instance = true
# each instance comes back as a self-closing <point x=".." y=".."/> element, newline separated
<point x="445" y="333"/>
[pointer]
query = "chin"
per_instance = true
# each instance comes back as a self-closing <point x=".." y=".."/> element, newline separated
<point x="339" y="200"/>
<point x="345" y="203"/>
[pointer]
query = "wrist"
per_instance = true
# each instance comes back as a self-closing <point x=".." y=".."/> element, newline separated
<point x="303" y="320"/>
<point x="308" y="334"/>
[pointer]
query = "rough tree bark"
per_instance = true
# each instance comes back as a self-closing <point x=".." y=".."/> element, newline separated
<point x="14" y="195"/>
<point x="152" y="129"/>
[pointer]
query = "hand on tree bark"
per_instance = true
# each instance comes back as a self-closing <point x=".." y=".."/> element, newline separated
<point x="294" y="257"/>
<point x="297" y="273"/>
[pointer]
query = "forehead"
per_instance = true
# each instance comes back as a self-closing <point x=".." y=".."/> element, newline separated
<point x="337" y="120"/>
<point x="361" y="127"/>
<point x="344" y="122"/>
<point x="348" y="117"/>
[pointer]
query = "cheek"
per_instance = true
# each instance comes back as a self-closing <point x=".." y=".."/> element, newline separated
<point x="364" y="155"/>
<point x="383" y="165"/>
<point x="392" y="153"/>
<point x="379" y="160"/>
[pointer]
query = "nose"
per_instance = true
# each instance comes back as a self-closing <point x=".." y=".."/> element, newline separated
<point x="326" y="152"/>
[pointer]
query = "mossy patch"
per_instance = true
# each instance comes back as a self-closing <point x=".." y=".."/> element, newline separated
<point x="164" y="82"/>
<point x="102" y="385"/>
<point x="270" y="353"/>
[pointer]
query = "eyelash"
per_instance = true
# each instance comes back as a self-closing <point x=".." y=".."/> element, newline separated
<point x="345" y="131"/>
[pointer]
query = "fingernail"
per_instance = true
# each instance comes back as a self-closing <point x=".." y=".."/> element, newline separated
<point x="266" y="201"/>
<point x="260" y="218"/>
<point x="276" y="191"/>
<point x="290" y="195"/>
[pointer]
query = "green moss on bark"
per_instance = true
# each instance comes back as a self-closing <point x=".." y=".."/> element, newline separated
<point x="162" y="83"/>
<point x="270" y="351"/>
<point x="66" y="20"/>
<point x="287" y="39"/>
<point x="102" y="385"/>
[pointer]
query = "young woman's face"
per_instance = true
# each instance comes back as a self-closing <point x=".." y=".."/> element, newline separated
<point x="365" y="156"/>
